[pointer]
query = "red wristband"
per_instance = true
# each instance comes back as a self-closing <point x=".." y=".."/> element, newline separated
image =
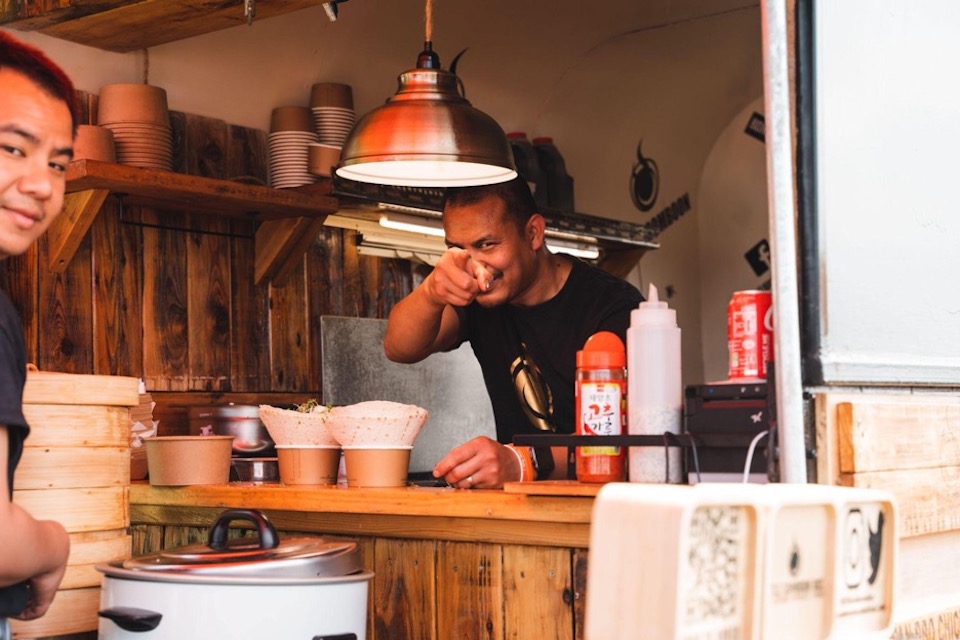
<point x="527" y="470"/>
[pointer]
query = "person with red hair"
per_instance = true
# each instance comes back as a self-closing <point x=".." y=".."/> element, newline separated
<point x="37" y="125"/>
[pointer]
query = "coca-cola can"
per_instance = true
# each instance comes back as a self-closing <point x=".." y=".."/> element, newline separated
<point x="750" y="334"/>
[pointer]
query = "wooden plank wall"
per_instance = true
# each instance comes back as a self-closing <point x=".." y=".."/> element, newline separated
<point x="175" y="302"/>
<point x="907" y="444"/>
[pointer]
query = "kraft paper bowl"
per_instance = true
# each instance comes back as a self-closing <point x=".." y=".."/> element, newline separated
<point x="308" y="465"/>
<point x="132" y="103"/>
<point x="331" y="94"/>
<point x="377" y="466"/>
<point x="94" y="143"/>
<point x="321" y="158"/>
<point x="291" y="119"/>
<point x="185" y="460"/>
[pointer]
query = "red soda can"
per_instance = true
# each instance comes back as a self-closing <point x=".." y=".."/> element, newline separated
<point x="750" y="334"/>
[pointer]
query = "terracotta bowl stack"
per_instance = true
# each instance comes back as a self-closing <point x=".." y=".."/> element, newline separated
<point x="94" y="143"/>
<point x="322" y="159"/>
<point x="377" y="438"/>
<point x="333" y="117"/>
<point x="291" y="133"/>
<point x="137" y="115"/>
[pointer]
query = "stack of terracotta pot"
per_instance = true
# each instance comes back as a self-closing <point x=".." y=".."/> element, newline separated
<point x="333" y="118"/>
<point x="137" y="115"/>
<point x="291" y="131"/>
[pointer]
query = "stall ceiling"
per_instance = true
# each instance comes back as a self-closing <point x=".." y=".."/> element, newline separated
<point x="558" y="25"/>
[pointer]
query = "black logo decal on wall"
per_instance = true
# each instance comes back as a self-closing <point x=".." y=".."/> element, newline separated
<point x="644" y="182"/>
<point x="876" y="546"/>
<point x="759" y="257"/>
<point x="757" y="127"/>
<point x="670" y="214"/>
<point x="863" y="548"/>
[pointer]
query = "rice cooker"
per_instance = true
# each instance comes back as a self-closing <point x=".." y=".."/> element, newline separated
<point x="253" y="587"/>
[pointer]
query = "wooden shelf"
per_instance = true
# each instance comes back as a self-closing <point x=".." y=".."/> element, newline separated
<point x="131" y="25"/>
<point x="181" y="192"/>
<point x="288" y="218"/>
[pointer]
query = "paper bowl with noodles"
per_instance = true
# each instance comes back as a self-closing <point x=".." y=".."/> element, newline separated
<point x="303" y="427"/>
<point x="376" y="423"/>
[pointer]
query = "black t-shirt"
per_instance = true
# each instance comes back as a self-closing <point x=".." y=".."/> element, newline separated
<point x="552" y="332"/>
<point x="13" y="375"/>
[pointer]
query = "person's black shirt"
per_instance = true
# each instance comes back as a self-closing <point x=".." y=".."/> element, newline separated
<point x="552" y="332"/>
<point x="13" y="373"/>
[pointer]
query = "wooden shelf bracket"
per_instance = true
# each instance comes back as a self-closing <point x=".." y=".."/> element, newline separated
<point x="68" y="230"/>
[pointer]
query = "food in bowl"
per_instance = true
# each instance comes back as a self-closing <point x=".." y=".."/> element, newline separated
<point x="296" y="427"/>
<point x="376" y="423"/>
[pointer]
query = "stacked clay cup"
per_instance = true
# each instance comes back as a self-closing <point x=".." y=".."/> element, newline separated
<point x="137" y="115"/>
<point x="94" y="143"/>
<point x="291" y="133"/>
<point x="306" y="451"/>
<point x="377" y="439"/>
<point x="331" y="104"/>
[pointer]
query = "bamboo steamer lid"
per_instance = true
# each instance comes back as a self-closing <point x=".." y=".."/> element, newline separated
<point x="47" y="387"/>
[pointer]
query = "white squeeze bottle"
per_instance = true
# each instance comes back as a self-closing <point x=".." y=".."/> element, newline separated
<point x="654" y="389"/>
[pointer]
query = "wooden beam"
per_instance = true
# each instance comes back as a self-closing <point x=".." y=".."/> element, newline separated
<point x="827" y="427"/>
<point x="171" y="191"/>
<point x="473" y="530"/>
<point x="886" y="436"/>
<point x="400" y="501"/>
<point x="129" y="25"/>
<point x="928" y="588"/>
<point x="281" y="245"/>
<point x="928" y="500"/>
<point x="68" y="230"/>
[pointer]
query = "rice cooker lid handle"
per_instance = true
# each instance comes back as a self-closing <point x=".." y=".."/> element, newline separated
<point x="266" y="532"/>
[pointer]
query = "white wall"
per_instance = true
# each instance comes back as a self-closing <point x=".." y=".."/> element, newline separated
<point x="597" y="77"/>
<point x="676" y="88"/>
<point x="733" y="218"/>
<point x="889" y="231"/>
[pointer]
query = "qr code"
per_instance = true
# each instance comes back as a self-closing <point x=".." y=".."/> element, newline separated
<point x="714" y="577"/>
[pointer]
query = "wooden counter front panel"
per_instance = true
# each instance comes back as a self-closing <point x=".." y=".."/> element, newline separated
<point x="439" y="589"/>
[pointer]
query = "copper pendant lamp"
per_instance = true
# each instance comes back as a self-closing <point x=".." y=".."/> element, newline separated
<point x="428" y="134"/>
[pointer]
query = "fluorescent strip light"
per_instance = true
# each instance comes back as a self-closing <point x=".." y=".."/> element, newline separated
<point x="583" y="250"/>
<point x="403" y="208"/>
<point x="418" y="237"/>
<point x="416" y="224"/>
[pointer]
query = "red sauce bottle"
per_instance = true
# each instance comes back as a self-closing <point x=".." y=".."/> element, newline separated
<point x="601" y="397"/>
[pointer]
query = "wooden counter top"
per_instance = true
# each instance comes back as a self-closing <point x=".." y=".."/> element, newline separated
<point x="409" y="512"/>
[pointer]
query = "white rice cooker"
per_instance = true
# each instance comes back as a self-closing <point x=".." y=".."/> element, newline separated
<point x="310" y="588"/>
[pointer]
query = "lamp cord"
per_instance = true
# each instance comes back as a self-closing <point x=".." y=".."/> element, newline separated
<point x="750" y="451"/>
<point x="428" y="11"/>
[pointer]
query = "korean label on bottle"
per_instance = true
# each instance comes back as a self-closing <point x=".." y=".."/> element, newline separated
<point x="601" y="413"/>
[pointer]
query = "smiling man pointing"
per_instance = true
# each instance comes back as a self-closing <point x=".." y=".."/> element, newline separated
<point x="524" y="310"/>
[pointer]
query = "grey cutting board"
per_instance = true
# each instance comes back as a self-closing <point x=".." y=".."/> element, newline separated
<point x="448" y="385"/>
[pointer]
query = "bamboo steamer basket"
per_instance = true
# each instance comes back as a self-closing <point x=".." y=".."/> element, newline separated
<point x="75" y="469"/>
